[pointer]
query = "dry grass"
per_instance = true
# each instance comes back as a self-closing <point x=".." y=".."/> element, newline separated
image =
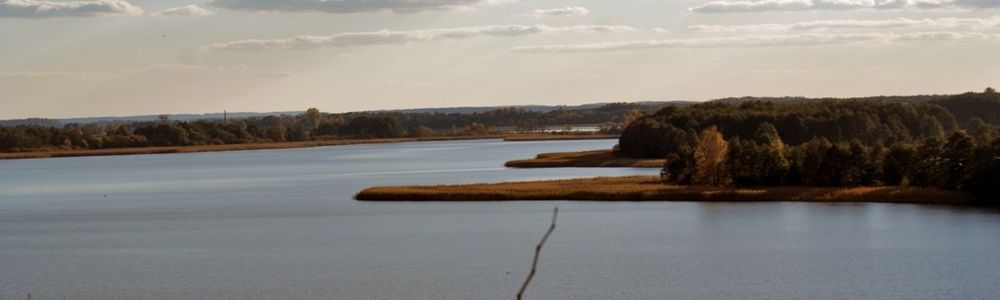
<point x="557" y="137"/>
<point x="229" y="147"/>
<point x="649" y="188"/>
<point x="584" y="159"/>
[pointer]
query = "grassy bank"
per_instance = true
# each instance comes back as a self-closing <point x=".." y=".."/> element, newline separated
<point x="558" y="137"/>
<point x="649" y="188"/>
<point x="228" y="147"/>
<point x="584" y="159"/>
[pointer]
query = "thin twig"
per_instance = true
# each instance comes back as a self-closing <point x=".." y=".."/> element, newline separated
<point x="538" y="250"/>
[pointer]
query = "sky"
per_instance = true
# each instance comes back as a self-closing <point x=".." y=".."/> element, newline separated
<point x="133" y="57"/>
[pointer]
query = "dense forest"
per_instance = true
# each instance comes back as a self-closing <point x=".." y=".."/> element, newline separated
<point x="827" y="143"/>
<point x="311" y="125"/>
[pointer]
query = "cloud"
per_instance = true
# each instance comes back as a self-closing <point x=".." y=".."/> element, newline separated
<point x="159" y="69"/>
<point x="941" y="23"/>
<point x="53" y="75"/>
<point x="791" y="40"/>
<point x="187" y="10"/>
<point x="559" y="12"/>
<point x="275" y="74"/>
<point x="385" y="37"/>
<point x="740" y="6"/>
<point x="52" y="9"/>
<point x="350" y="6"/>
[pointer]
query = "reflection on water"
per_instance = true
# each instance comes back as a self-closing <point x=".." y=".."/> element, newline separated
<point x="282" y="224"/>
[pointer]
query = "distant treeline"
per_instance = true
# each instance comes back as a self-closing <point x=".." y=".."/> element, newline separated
<point x="311" y="125"/>
<point x="826" y="143"/>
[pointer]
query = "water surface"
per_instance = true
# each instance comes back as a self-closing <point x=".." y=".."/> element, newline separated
<point x="281" y="224"/>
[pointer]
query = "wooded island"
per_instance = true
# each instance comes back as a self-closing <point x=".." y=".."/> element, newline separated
<point x="942" y="150"/>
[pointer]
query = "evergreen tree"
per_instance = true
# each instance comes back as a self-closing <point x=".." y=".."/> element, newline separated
<point x="929" y="168"/>
<point x="957" y="154"/>
<point x="898" y="164"/>
<point x="984" y="174"/>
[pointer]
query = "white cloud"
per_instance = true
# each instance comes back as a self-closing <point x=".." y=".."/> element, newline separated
<point x="350" y="6"/>
<point x="941" y="23"/>
<point x="791" y="40"/>
<point x="187" y="10"/>
<point x="559" y="12"/>
<point x="53" y="9"/>
<point x="737" y="6"/>
<point x="384" y="37"/>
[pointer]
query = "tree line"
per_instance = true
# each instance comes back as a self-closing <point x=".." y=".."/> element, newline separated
<point x="310" y="125"/>
<point x="960" y="162"/>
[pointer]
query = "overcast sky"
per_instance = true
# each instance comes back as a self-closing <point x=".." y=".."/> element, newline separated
<point x="118" y="57"/>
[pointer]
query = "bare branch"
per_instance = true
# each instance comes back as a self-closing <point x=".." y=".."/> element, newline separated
<point x="538" y="250"/>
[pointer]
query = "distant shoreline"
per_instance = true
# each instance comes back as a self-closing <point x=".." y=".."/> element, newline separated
<point x="650" y="188"/>
<point x="284" y="145"/>
<point x="227" y="147"/>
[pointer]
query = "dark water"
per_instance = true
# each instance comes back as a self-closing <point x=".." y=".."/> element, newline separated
<point x="282" y="225"/>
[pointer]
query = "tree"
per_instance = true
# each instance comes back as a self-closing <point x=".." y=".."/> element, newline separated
<point x="957" y="156"/>
<point x="929" y="168"/>
<point x="856" y="171"/>
<point x="677" y="169"/>
<point x="984" y="178"/>
<point x="767" y="134"/>
<point x="476" y="128"/>
<point x="979" y="130"/>
<point x="806" y="161"/>
<point x="630" y="117"/>
<point x="710" y="157"/>
<point x="898" y="164"/>
<point x="836" y="167"/>
<point x="751" y="164"/>
<point x="421" y="131"/>
<point x="659" y="140"/>
<point x="312" y="117"/>
<point x="930" y="128"/>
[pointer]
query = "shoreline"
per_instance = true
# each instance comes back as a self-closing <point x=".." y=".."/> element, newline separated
<point x="226" y="147"/>
<point x="557" y="137"/>
<point x="584" y="159"/>
<point x="39" y="154"/>
<point x="649" y="188"/>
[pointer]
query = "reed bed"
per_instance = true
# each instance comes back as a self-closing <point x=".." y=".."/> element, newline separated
<point x="584" y="159"/>
<point x="558" y="137"/>
<point x="649" y="188"/>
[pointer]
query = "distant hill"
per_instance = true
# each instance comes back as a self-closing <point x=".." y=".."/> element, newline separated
<point x="964" y="107"/>
<point x="141" y="118"/>
<point x="538" y="108"/>
<point x="31" y="121"/>
<point x="244" y="115"/>
<point x="777" y="100"/>
<point x="985" y="106"/>
<point x="176" y="117"/>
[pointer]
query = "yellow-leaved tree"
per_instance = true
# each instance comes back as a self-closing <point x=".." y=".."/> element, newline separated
<point x="709" y="158"/>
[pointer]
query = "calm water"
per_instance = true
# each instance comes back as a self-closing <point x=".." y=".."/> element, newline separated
<point x="283" y="225"/>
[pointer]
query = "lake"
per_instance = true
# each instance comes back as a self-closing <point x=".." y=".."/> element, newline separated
<point x="282" y="224"/>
